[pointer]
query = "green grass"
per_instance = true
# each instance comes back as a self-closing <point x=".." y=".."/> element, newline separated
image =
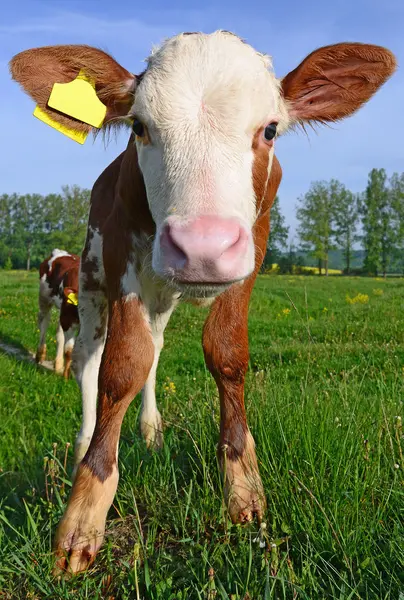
<point x="324" y="392"/>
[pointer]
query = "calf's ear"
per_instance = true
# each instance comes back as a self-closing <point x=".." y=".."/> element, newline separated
<point x="335" y="81"/>
<point x="38" y="69"/>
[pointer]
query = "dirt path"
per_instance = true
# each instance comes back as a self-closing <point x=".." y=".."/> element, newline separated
<point x="20" y="354"/>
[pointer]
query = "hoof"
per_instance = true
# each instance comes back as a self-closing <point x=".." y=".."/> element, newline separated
<point x="81" y="531"/>
<point x="40" y="355"/>
<point x="59" y="366"/>
<point x="243" y="490"/>
<point x="152" y="431"/>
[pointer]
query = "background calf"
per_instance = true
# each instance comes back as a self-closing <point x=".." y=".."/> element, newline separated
<point x="59" y="277"/>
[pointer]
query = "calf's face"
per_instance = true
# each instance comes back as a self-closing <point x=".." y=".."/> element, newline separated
<point x="202" y="104"/>
<point x="205" y="114"/>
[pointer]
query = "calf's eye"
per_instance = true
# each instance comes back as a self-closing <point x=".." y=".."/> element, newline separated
<point x="270" y="131"/>
<point x="138" y="128"/>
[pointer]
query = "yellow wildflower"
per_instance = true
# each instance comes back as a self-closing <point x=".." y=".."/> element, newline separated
<point x="169" y="386"/>
<point x="358" y="299"/>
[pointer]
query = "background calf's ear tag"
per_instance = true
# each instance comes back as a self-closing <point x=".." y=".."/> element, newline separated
<point x="79" y="100"/>
<point x="72" y="299"/>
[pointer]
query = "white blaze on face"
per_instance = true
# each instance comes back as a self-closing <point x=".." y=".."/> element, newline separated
<point x="202" y="99"/>
<point x="56" y="253"/>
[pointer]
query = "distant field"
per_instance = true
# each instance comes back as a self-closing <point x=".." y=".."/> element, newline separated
<point x="324" y="394"/>
<point x="310" y="270"/>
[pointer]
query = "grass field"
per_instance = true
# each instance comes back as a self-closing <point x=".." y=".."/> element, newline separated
<point x="325" y="399"/>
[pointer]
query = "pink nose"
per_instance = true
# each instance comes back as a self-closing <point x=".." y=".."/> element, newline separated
<point x="207" y="249"/>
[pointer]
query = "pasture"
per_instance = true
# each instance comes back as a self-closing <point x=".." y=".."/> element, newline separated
<point x="324" y="400"/>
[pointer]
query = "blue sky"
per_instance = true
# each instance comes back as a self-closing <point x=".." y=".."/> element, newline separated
<point x="36" y="158"/>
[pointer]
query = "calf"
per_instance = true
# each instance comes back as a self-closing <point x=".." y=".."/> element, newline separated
<point x="58" y="286"/>
<point x="181" y="214"/>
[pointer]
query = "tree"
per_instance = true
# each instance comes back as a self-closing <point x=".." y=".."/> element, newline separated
<point x="397" y="204"/>
<point x="315" y="217"/>
<point x="32" y="225"/>
<point x="68" y="216"/>
<point x="6" y="224"/>
<point x="345" y="211"/>
<point x="28" y="225"/>
<point x="378" y="218"/>
<point x="289" y="260"/>
<point x="278" y="235"/>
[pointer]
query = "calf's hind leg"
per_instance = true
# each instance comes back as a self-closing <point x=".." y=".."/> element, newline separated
<point x="68" y="349"/>
<point x="60" y="340"/>
<point x="44" y="316"/>
<point x="151" y="424"/>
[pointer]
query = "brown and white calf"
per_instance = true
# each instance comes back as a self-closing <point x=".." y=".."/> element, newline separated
<point x="59" y="279"/>
<point x="181" y="214"/>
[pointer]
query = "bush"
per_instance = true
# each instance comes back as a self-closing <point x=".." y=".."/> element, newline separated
<point x="8" y="265"/>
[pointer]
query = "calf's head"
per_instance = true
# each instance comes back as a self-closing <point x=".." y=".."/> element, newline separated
<point x="205" y="114"/>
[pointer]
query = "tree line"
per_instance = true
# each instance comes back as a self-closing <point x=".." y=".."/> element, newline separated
<point x="32" y="225"/>
<point x="330" y="217"/>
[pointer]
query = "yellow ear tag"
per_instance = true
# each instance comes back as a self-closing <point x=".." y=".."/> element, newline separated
<point x="76" y="99"/>
<point x="72" y="299"/>
<point x="77" y="136"/>
<point x="79" y="100"/>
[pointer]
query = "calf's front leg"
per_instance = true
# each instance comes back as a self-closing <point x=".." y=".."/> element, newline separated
<point x="125" y="365"/>
<point x="225" y="345"/>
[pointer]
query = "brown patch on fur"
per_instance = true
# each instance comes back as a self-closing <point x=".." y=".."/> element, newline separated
<point x="126" y="362"/>
<point x="69" y="315"/>
<point x="130" y="217"/>
<point x="335" y="81"/>
<point x="119" y="211"/>
<point x="65" y="269"/>
<point x="38" y="69"/>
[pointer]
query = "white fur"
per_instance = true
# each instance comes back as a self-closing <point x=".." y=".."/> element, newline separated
<point x="95" y="254"/>
<point x="129" y="283"/>
<point x="150" y="418"/>
<point x="45" y="294"/>
<point x="90" y="343"/>
<point x="56" y="253"/>
<point x="202" y="98"/>
<point x="60" y="339"/>
<point x="87" y="355"/>
<point x="70" y="336"/>
<point x="160" y="302"/>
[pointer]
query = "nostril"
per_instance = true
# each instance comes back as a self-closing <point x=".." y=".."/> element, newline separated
<point x="170" y="246"/>
<point x="204" y="249"/>
<point x="236" y="246"/>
